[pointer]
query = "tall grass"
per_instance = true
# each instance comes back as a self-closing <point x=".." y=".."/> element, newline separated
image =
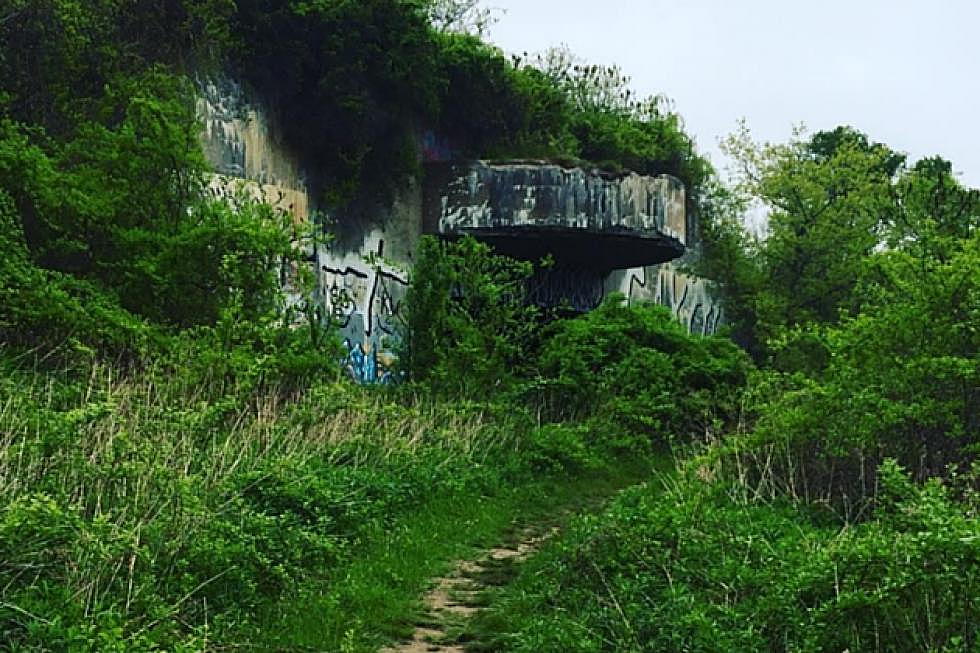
<point x="138" y="508"/>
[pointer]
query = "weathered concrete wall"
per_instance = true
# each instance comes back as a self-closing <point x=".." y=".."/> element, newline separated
<point x="239" y="142"/>
<point x="362" y="276"/>
<point x="608" y="233"/>
<point x="583" y="289"/>
<point x="685" y="295"/>
<point x="491" y="195"/>
<point x="583" y="219"/>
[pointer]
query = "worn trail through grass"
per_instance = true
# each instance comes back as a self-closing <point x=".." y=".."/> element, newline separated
<point x="457" y="596"/>
<point x="415" y="585"/>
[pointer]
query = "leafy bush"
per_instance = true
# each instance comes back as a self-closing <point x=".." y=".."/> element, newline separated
<point x="467" y="324"/>
<point x="492" y="108"/>
<point x="636" y="374"/>
<point x="900" y="380"/>
<point x="632" y="374"/>
<point x="42" y="308"/>
<point x="109" y="231"/>
<point x="565" y="448"/>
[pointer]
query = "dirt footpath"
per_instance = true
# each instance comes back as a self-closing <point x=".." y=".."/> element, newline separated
<point x="454" y="598"/>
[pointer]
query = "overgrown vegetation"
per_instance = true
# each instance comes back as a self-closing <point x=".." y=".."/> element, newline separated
<point x="354" y="83"/>
<point x="177" y="457"/>
<point x="163" y="512"/>
<point x="840" y="513"/>
<point x="694" y="568"/>
<point x="167" y="504"/>
<point x="469" y="328"/>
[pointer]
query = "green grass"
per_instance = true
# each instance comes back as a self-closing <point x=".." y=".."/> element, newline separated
<point x="163" y="513"/>
<point x="376" y="598"/>
<point x="690" y="566"/>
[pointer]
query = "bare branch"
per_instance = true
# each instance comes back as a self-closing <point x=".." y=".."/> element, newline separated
<point x="463" y="16"/>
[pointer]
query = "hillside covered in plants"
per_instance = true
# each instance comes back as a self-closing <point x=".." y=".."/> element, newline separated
<point x="184" y="466"/>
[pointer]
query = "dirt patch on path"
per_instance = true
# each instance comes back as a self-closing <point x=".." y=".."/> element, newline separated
<point x="457" y="596"/>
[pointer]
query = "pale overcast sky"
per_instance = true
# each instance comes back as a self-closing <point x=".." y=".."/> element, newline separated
<point x="904" y="72"/>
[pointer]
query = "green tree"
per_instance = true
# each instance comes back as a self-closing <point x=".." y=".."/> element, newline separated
<point x="491" y="108"/>
<point x="864" y="294"/>
<point x="902" y="380"/>
<point x="58" y="55"/>
<point x="463" y="16"/>
<point x="590" y="87"/>
<point x="121" y="205"/>
<point x="829" y="199"/>
<point x="729" y="258"/>
<point x="933" y="211"/>
<point x="617" y="128"/>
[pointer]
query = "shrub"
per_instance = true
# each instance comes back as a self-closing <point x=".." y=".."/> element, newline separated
<point x="901" y="380"/>
<point x="142" y="513"/>
<point x="636" y="374"/>
<point x="695" y="570"/>
<point x="467" y="324"/>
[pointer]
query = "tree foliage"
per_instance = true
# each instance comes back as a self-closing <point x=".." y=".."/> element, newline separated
<point x="615" y="126"/>
<point x="636" y="376"/>
<point x="828" y="205"/>
<point x="861" y="296"/>
<point x="464" y="16"/>
<point x="352" y="83"/>
<point x="356" y="81"/>
<point x="468" y="324"/>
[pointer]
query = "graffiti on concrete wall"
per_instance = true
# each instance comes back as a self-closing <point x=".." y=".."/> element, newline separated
<point x="581" y="290"/>
<point x="364" y="297"/>
<point x="286" y="202"/>
<point x="356" y="287"/>
<point x="362" y="291"/>
<point x="686" y="296"/>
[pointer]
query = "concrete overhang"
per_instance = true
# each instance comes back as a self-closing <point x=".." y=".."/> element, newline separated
<point x="580" y="218"/>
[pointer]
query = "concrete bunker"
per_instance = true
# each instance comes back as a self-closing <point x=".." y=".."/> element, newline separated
<point x="606" y="233"/>
<point x="587" y="223"/>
